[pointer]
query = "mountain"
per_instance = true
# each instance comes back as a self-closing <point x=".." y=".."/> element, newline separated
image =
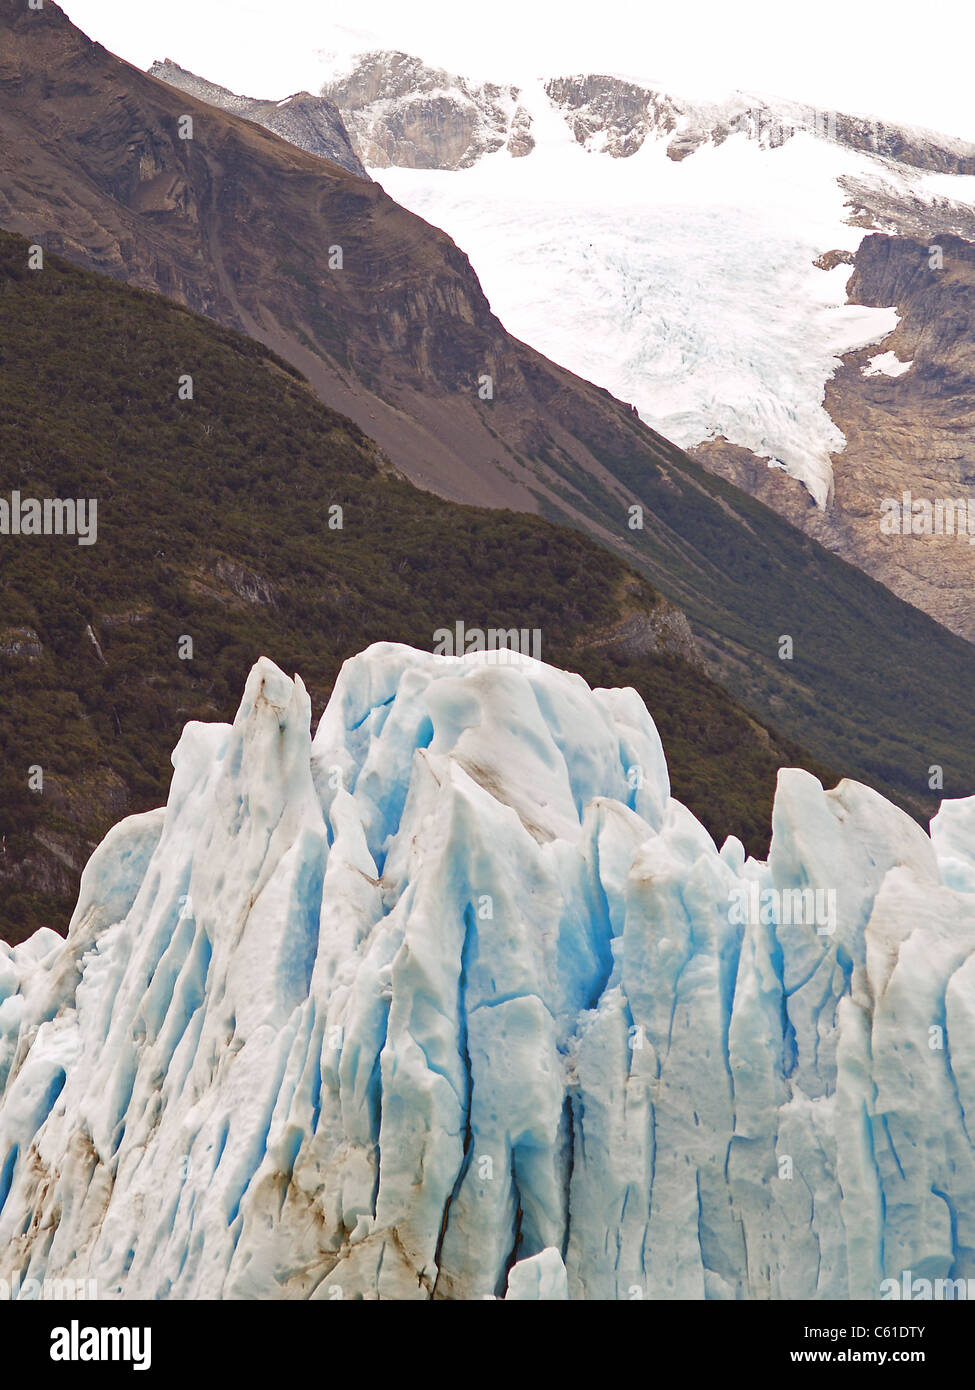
<point x="401" y="112"/>
<point x="247" y="229"/>
<point x="310" y="122"/>
<point x="390" y="326"/>
<point x="383" y="93"/>
<point x="253" y="519"/>
<point x="906" y="412"/>
<point x="440" y="1005"/>
<point x="695" y="258"/>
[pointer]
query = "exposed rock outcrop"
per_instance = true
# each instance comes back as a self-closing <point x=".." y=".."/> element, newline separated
<point x="20" y="641"/>
<point x="907" y="431"/>
<point x="609" y="116"/>
<point x="400" y="111"/>
<point x="310" y="122"/>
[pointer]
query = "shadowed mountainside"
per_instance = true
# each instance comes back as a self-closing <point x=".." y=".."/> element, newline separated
<point x="213" y="526"/>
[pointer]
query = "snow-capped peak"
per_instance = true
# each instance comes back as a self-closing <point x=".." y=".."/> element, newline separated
<point x="666" y="248"/>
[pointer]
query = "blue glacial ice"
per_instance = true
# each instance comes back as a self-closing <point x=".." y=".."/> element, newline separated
<point x="455" y="1000"/>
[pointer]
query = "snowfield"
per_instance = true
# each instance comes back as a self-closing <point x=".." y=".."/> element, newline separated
<point x="455" y="1000"/>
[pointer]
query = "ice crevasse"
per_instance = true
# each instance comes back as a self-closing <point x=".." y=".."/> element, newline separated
<point x="455" y="1000"/>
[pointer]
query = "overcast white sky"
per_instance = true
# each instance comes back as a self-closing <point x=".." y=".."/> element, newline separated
<point x="903" y="59"/>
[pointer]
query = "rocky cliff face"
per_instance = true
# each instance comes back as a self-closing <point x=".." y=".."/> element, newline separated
<point x="401" y="112"/>
<point x="912" y="430"/>
<point x="906" y="408"/>
<point x="609" y="116"/>
<point x="310" y="122"/>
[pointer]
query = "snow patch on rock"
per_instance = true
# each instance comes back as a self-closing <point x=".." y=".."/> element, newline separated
<point x="886" y="364"/>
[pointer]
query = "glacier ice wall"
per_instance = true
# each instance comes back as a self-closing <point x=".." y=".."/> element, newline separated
<point x="456" y="1001"/>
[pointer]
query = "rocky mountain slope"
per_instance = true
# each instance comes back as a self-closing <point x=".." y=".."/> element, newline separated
<point x="399" y="111"/>
<point x="907" y="412"/>
<point x="386" y="319"/>
<point x="252" y="519"/>
<point x="437" y="1005"/>
<point x="310" y="122"/>
<point x="383" y="92"/>
<point x="698" y="257"/>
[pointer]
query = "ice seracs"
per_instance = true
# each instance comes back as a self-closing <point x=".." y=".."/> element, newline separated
<point x="455" y="1000"/>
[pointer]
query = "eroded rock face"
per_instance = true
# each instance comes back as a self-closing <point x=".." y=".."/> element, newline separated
<point x="906" y="408"/>
<point x="310" y="122"/>
<point x="609" y="116"/>
<point x="520" y="140"/>
<point x="912" y="431"/>
<point x="401" y="112"/>
<point x="639" y="635"/>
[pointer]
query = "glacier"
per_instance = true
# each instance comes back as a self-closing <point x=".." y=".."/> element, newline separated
<point x="455" y="1000"/>
<point x="689" y="288"/>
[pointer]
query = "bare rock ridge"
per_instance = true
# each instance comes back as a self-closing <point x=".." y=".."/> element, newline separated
<point x="400" y="111"/>
<point x="310" y="122"/>
<point x="614" y="116"/>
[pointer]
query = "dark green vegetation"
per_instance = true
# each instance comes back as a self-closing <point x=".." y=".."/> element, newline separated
<point x="213" y="523"/>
